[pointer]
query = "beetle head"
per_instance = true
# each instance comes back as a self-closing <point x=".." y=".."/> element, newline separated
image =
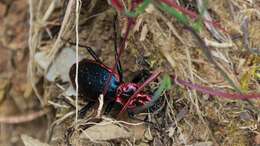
<point x="126" y="90"/>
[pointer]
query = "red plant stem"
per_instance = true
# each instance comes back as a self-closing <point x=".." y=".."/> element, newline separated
<point x="191" y="14"/>
<point x="117" y="4"/>
<point x="183" y="10"/>
<point x="215" y="92"/>
<point x="150" y="79"/>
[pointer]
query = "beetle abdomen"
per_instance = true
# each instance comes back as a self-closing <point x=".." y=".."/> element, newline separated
<point x="92" y="78"/>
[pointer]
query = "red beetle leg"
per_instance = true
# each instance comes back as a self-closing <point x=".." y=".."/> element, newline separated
<point x="141" y="99"/>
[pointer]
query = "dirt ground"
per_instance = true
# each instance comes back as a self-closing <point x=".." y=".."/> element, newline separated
<point x="16" y="94"/>
<point x="33" y="105"/>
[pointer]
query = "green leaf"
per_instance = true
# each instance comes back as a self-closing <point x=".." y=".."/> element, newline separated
<point x="139" y="10"/>
<point x="179" y="16"/>
<point x="198" y="25"/>
<point x="164" y="85"/>
<point x="245" y="81"/>
<point x="257" y="73"/>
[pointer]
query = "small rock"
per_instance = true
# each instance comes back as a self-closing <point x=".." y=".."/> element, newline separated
<point x="257" y="139"/>
<point x="29" y="141"/>
<point x="105" y="131"/>
<point x="245" y="116"/>
<point x="61" y="65"/>
<point x="207" y="143"/>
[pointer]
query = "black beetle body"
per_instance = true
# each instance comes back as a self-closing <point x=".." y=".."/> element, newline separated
<point x="92" y="78"/>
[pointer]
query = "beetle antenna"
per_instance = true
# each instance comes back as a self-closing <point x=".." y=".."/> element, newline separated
<point x="120" y="50"/>
<point x="89" y="49"/>
<point x="118" y="63"/>
<point x="130" y="22"/>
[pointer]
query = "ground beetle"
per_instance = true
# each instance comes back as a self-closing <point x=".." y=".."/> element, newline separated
<point x="92" y="79"/>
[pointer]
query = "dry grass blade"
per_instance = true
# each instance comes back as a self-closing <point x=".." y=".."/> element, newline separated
<point x="205" y="14"/>
<point x="65" y="30"/>
<point x="22" y="118"/>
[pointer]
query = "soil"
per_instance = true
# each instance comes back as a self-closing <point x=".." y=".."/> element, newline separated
<point x="157" y="41"/>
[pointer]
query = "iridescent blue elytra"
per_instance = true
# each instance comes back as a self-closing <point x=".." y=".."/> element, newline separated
<point x="92" y="78"/>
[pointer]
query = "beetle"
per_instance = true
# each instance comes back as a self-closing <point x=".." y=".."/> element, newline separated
<point x="94" y="76"/>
